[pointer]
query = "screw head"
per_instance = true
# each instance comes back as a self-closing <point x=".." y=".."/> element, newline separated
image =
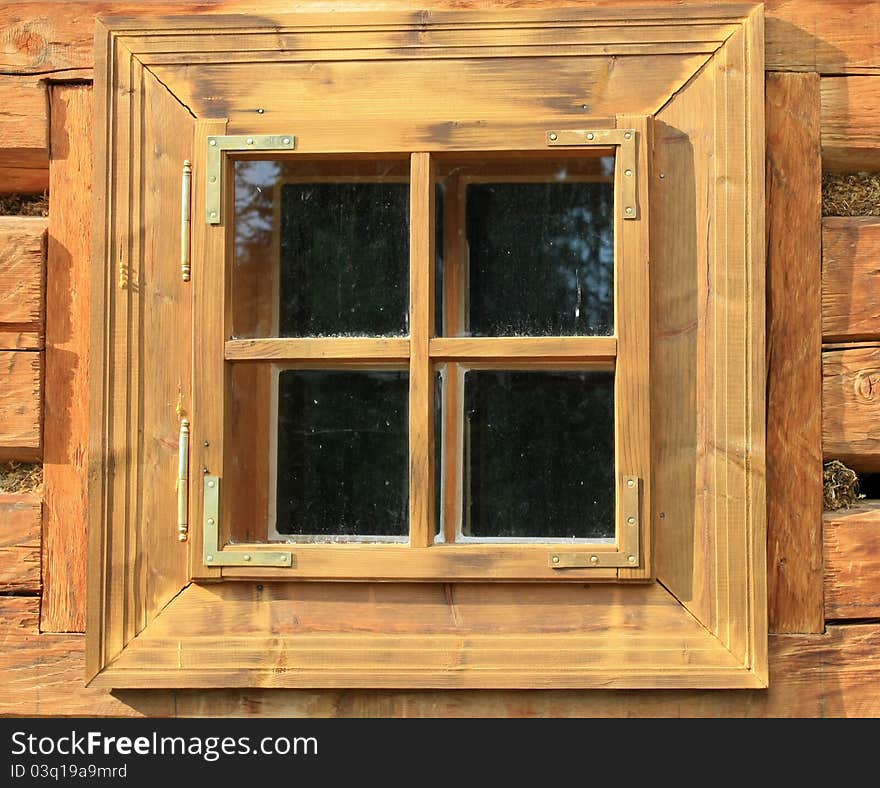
<point x="629" y="211"/>
<point x="631" y="520"/>
<point x="630" y="483"/>
<point x="213" y="179"/>
<point x="594" y="559"/>
<point x="591" y="136"/>
<point x="211" y="483"/>
<point x="246" y="557"/>
<point x="210" y="521"/>
<point x="209" y="557"/>
<point x="553" y="136"/>
<point x="250" y="140"/>
<point x="628" y="173"/>
<point x="286" y="141"/>
<point x="260" y="111"/>
<point x="628" y="135"/>
<point x="555" y="559"/>
<point x="213" y="214"/>
<point x="631" y="559"/>
<point x="212" y="141"/>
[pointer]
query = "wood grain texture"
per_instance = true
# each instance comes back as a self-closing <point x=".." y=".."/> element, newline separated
<point x="66" y="402"/>
<point x="835" y="675"/>
<point x="794" y="347"/>
<point x="428" y="635"/>
<point x="850" y="278"/>
<point x="422" y="237"/>
<point x="20" y="402"/>
<point x="43" y="674"/>
<point x="24" y="114"/>
<point x="24" y="171"/>
<point x="20" y="544"/>
<point x="22" y="277"/>
<point x="837" y="37"/>
<point x="315" y="349"/>
<point x="852" y="562"/>
<point x="850" y="125"/>
<point x="850" y="406"/>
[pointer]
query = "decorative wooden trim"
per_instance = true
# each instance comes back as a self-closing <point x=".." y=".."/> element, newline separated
<point x="714" y="637"/>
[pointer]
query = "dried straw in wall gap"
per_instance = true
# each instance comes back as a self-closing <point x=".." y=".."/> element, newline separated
<point x="24" y="204"/>
<point x="851" y="194"/>
<point x="841" y="486"/>
<point x="21" y="477"/>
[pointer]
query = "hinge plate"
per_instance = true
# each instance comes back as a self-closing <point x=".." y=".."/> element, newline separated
<point x="627" y="162"/>
<point x="237" y="143"/>
<point x="627" y="553"/>
<point x="253" y="555"/>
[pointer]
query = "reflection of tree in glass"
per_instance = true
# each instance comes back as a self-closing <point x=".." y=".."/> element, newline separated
<point x="541" y="258"/>
<point x="343" y="459"/>
<point x="343" y="243"/>
<point x="344" y="248"/>
<point x="540" y="454"/>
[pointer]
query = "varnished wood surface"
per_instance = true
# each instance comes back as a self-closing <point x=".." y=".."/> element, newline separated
<point x="794" y="347"/>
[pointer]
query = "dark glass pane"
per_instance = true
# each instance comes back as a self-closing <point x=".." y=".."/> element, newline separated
<point x="321" y="248"/>
<point x="539" y="454"/>
<point x="541" y="258"/>
<point x="344" y="259"/>
<point x="342" y="453"/>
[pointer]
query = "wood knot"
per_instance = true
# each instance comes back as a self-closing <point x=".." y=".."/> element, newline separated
<point x="27" y="41"/>
<point x="866" y="384"/>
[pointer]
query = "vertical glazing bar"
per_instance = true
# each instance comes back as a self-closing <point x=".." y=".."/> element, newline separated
<point x="186" y="181"/>
<point x="421" y="379"/>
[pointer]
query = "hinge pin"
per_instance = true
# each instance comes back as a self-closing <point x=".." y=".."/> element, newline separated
<point x="183" y="481"/>
<point x="185" y="223"/>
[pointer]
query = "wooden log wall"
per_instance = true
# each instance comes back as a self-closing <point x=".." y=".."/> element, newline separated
<point x="823" y="63"/>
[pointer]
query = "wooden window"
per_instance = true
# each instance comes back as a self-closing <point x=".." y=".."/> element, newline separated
<point x="461" y="307"/>
<point x="366" y="451"/>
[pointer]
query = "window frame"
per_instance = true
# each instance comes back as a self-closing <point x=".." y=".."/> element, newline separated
<point x="156" y="619"/>
<point x="625" y="353"/>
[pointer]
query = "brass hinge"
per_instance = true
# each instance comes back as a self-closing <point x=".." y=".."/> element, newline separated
<point x="253" y="555"/>
<point x="183" y="481"/>
<point x="627" y="552"/>
<point x="236" y="143"/>
<point x="627" y="163"/>
<point x="185" y="197"/>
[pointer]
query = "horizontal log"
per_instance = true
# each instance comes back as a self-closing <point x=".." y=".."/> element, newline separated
<point x="20" y="522"/>
<point x="24" y="114"/>
<point x="24" y="171"/>
<point x="43" y="675"/>
<point x="20" y="403"/>
<point x="852" y="562"/>
<point x="839" y="37"/>
<point x="22" y="277"/>
<point x="850" y="278"/>
<point x="850" y="124"/>
<point x="851" y="406"/>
